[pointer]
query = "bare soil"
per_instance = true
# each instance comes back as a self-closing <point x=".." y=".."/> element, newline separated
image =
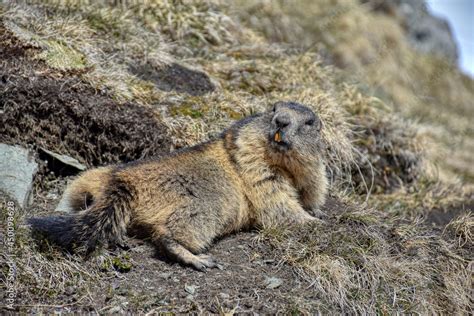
<point x="154" y="284"/>
<point x="175" y="77"/>
<point x="440" y="218"/>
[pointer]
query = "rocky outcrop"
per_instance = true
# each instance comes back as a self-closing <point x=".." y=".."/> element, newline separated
<point x="426" y="33"/>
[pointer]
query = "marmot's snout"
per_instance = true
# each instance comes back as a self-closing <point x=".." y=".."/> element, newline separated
<point x="293" y="125"/>
<point x="286" y="129"/>
<point x="280" y="131"/>
<point x="281" y="128"/>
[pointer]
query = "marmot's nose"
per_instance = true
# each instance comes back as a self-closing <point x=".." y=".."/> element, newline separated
<point x="282" y="122"/>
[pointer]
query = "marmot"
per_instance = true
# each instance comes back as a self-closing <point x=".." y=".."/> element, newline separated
<point x="265" y="169"/>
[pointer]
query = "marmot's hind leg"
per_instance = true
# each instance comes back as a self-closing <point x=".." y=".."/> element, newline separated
<point x="183" y="255"/>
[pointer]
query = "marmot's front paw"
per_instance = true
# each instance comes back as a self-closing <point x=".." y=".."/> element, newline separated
<point x="317" y="213"/>
<point x="305" y="218"/>
<point x="204" y="262"/>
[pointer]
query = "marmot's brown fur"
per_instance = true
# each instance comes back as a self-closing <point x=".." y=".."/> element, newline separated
<point x="265" y="169"/>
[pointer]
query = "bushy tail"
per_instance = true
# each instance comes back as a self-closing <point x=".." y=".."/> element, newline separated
<point x="57" y="229"/>
<point x="103" y="222"/>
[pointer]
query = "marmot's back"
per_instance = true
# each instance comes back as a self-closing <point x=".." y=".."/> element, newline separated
<point x="198" y="187"/>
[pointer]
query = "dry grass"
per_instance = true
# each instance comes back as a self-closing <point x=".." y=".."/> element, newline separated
<point x="104" y="40"/>
<point x="427" y="194"/>
<point x="463" y="229"/>
<point x="45" y="274"/>
<point x="389" y="148"/>
<point x="358" y="262"/>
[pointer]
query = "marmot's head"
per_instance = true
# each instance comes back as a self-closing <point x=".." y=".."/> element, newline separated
<point x="294" y="129"/>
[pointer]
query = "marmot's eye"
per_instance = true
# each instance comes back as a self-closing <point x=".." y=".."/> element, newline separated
<point x="310" y="122"/>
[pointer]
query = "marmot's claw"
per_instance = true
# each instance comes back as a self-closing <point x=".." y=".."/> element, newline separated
<point x="199" y="266"/>
<point x="318" y="213"/>
<point x="208" y="261"/>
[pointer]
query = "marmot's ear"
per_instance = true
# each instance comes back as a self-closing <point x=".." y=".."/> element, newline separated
<point x="276" y="105"/>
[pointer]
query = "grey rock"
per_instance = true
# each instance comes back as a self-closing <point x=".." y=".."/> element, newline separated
<point x="17" y="170"/>
<point x="166" y="275"/>
<point x="69" y="290"/>
<point x="65" y="159"/>
<point x="428" y="33"/>
<point x="63" y="205"/>
<point x="273" y="282"/>
<point x="117" y="309"/>
<point x="191" y="289"/>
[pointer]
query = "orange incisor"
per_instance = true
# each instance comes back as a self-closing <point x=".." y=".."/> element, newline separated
<point x="278" y="137"/>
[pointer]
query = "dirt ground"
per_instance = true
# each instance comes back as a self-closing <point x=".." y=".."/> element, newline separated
<point x="155" y="285"/>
